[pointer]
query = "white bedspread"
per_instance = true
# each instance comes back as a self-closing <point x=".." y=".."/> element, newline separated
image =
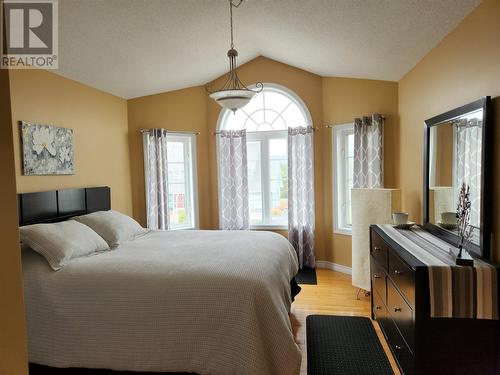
<point x="209" y="302"/>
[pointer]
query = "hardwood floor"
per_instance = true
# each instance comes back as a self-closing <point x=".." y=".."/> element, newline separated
<point x="333" y="295"/>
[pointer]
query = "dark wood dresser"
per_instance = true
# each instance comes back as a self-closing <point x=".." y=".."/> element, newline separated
<point x="419" y="343"/>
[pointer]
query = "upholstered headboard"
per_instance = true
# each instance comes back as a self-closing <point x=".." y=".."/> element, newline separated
<point x="59" y="205"/>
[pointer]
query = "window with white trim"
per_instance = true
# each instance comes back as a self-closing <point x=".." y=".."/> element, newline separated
<point x="343" y="163"/>
<point x="266" y="119"/>
<point x="181" y="165"/>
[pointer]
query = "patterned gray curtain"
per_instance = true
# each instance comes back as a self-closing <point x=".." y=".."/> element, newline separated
<point x="368" y="152"/>
<point x="301" y="194"/>
<point x="233" y="179"/>
<point x="156" y="178"/>
<point x="469" y="135"/>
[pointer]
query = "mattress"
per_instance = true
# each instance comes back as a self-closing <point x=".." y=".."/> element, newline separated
<point x="208" y="302"/>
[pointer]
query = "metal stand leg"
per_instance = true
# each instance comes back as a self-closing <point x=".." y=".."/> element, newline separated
<point x="357" y="294"/>
<point x="367" y="293"/>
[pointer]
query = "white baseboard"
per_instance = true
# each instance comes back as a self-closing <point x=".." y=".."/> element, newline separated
<point x="333" y="266"/>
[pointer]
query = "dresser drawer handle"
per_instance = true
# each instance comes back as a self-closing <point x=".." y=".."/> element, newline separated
<point x="397" y="309"/>
<point x="375" y="276"/>
<point x="398" y="272"/>
<point x="377" y="307"/>
<point x="397" y="347"/>
<point x="376" y="248"/>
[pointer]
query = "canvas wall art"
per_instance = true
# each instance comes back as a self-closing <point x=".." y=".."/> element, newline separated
<point x="47" y="150"/>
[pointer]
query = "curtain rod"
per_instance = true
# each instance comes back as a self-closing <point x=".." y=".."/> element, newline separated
<point x="330" y="126"/>
<point x="173" y="131"/>
<point x="313" y="128"/>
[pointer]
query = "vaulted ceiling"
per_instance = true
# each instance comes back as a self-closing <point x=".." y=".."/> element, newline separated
<point x="132" y="48"/>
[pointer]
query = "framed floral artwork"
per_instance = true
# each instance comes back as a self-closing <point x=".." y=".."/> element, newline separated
<point x="47" y="150"/>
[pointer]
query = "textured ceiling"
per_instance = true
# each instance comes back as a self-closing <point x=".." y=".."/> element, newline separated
<point x="132" y="48"/>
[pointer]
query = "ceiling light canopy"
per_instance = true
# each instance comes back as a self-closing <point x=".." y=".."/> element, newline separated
<point x="234" y="94"/>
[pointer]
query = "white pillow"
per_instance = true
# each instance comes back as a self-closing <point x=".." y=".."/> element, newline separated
<point x="61" y="242"/>
<point x="113" y="226"/>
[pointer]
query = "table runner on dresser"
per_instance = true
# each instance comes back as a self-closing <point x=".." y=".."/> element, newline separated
<point x="455" y="291"/>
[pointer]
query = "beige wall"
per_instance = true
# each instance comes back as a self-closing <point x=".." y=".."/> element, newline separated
<point x="462" y="68"/>
<point x="444" y="155"/>
<point x="182" y="110"/>
<point x="13" y="351"/>
<point x="99" y="121"/>
<point x="343" y="100"/>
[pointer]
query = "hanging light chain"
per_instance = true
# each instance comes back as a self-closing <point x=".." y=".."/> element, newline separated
<point x="232" y="53"/>
<point x="231" y="5"/>
<point x="233" y="82"/>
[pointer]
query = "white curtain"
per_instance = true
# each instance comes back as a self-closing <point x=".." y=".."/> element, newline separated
<point x="301" y="194"/>
<point x="233" y="179"/>
<point x="469" y="135"/>
<point x="156" y="178"/>
<point x="368" y="152"/>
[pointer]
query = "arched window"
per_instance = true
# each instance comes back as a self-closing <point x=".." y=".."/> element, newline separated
<point x="266" y="119"/>
<point x="274" y="108"/>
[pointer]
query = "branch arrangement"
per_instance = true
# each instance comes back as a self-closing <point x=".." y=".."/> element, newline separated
<point x="463" y="217"/>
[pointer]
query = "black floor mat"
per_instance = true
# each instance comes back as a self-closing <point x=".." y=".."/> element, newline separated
<point x="306" y="276"/>
<point x="344" y="345"/>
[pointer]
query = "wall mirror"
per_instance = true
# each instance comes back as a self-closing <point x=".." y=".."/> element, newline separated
<point x="456" y="152"/>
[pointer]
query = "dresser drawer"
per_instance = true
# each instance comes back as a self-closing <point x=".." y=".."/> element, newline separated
<point x="378" y="280"/>
<point x="378" y="308"/>
<point x="379" y="250"/>
<point x="403" y="277"/>
<point x="402" y="353"/>
<point x="401" y="313"/>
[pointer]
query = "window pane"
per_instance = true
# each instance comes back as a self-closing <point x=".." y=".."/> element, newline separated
<point x="278" y="176"/>
<point x="175" y="151"/>
<point x="276" y="101"/>
<point x="349" y="172"/>
<point x="235" y="121"/>
<point x="270" y="116"/>
<point x="255" y="205"/>
<point x="264" y="127"/>
<point x="279" y="201"/>
<point x="254" y="181"/>
<point x="350" y="145"/>
<point x="177" y="204"/>
<point x="250" y="126"/>
<point x="279" y="124"/>
<point x="175" y="172"/>
<point x="257" y="116"/>
<point x="348" y="215"/>
<point x="278" y="148"/>
<point x="293" y="116"/>
<point x="254" y="104"/>
<point x="343" y="176"/>
<point x="180" y="159"/>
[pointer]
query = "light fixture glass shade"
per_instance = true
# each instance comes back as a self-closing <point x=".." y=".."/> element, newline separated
<point x="233" y="99"/>
<point x="234" y="94"/>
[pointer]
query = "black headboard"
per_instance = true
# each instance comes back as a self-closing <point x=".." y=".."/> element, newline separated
<point x="59" y="205"/>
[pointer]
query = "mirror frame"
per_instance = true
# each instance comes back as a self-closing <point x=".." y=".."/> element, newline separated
<point x="483" y="250"/>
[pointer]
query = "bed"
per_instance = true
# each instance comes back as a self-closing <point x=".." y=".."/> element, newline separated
<point x="205" y="302"/>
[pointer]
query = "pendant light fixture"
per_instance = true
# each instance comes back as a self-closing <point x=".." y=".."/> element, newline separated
<point x="234" y="95"/>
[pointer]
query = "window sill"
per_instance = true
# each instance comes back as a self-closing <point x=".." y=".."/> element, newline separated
<point x="343" y="231"/>
<point x="268" y="227"/>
